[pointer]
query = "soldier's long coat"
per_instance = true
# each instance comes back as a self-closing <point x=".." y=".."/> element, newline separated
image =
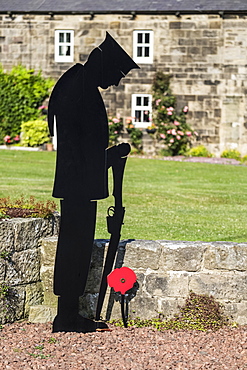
<point x="81" y="174"/>
<point x="82" y="137"/>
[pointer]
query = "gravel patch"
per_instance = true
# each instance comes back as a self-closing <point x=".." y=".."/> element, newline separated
<point x="33" y="346"/>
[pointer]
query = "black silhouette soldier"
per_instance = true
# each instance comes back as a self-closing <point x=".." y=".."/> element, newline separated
<point x="81" y="171"/>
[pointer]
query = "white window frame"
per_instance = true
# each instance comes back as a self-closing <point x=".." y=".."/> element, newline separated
<point x="135" y="106"/>
<point x="142" y="46"/>
<point x="58" y="44"/>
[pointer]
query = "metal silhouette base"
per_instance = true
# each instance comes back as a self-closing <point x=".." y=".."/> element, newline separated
<point x="81" y="178"/>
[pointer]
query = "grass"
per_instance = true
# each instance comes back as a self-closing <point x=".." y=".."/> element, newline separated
<point x="163" y="200"/>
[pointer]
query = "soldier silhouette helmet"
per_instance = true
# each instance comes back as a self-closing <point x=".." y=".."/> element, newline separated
<point x="115" y="62"/>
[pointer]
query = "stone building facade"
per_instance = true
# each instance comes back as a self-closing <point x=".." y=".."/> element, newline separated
<point x="204" y="53"/>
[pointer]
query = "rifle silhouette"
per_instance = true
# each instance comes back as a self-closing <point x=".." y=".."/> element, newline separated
<point x="117" y="157"/>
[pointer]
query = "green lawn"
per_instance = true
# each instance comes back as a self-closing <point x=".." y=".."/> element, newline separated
<point x="163" y="200"/>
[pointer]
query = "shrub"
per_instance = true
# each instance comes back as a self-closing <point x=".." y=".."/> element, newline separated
<point x="22" y="92"/>
<point x="244" y="159"/>
<point x="200" y="312"/>
<point x="115" y="125"/>
<point x="232" y="154"/>
<point x="135" y="135"/>
<point x="172" y="127"/>
<point x="34" y="133"/>
<point x="26" y="208"/>
<point x="199" y="151"/>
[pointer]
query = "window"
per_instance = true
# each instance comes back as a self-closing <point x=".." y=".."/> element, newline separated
<point x="64" y="46"/>
<point x="143" y="46"/>
<point x="141" y="109"/>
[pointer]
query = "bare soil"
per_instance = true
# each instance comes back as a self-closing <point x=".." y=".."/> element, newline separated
<point x="34" y="346"/>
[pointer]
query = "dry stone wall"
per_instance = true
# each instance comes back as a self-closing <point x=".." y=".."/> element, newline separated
<point x="205" y="54"/>
<point x="20" y="283"/>
<point x="166" y="271"/>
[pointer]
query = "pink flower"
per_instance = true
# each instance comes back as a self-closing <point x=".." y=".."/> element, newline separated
<point x="178" y="137"/>
<point x="7" y="139"/>
<point x="115" y="132"/>
<point x="180" y="133"/>
<point x="188" y="133"/>
<point x="174" y="132"/>
<point x="168" y="132"/>
<point x="170" y="111"/>
<point x="158" y="101"/>
<point x="163" y="136"/>
<point x="171" y="140"/>
<point x="176" y="123"/>
<point x="115" y="120"/>
<point x="186" y="108"/>
<point x="196" y="133"/>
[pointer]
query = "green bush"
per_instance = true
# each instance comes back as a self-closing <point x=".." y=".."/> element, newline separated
<point x="34" y="133"/>
<point x="232" y="154"/>
<point x="22" y="92"/>
<point x="199" y="151"/>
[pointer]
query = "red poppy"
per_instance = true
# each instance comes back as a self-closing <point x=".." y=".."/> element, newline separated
<point x="121" y="279"/>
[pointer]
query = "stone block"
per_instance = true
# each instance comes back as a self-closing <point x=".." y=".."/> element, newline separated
<point x="42" y="314"/>
<point x="33" y="295"/>
<point x="29" y="231"/>
<point x="94" y="280"/>
<point x="6" y="236"/>
<point x="143" y="306"/>
<point x="12" y="305"/>
<point x="48" y="251"/>
<point x="98" y="254"/>
<point x="241" y="315"/>
<point x="230" y="285"/>
<point x="88" y="303"/>
<point x="226" y="256"/>
<point x="143" y="254"/>
<point x="24" y="267"/>
<point x="169" y="307"/>
<point x="167" y="285"/>
<point x="46" y="275"/>
<point x="180" y="256"/>
<point x="2" y="269"/>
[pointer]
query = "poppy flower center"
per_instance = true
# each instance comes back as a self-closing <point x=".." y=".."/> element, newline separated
<point x="122" y="280"/>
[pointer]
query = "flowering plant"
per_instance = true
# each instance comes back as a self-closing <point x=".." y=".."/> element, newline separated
<point x="9" y="140"/>
<point x="135" y="135"/>
<point x="152" y="127"/>
<point x="172" y="127"/>
<point x="115" y="125"/>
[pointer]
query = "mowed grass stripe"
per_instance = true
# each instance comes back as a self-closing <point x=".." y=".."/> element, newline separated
<point x="163" y="199"/>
